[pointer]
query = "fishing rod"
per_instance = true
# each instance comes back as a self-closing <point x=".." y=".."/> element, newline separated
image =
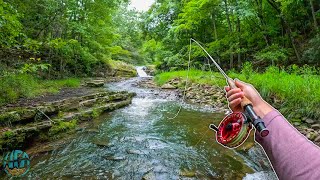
<point x="235" y="128"/>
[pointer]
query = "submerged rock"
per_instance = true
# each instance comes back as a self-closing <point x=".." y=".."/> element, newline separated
<point x="187" y="173"/>
<point x="149" y="176"/>
<point x="92" y="130"/>
<point x="115" y="158"/>
<point x="132" y="151"/>
<point x="102" y="143"/>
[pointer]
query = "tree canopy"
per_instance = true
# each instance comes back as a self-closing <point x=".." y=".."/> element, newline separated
<point x="265" y="32"/>
<point x="79" y="37"/>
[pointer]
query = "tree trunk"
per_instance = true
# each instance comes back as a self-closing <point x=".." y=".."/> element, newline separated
<point x="286" y="27"/>
<point x="214" y="28"/>
<point x="230" y="29"/>
<point x="262" y="21"/>
<point x="239" y="36"/>
<point x="313" y="15"/>
<point x="227" y="15"/>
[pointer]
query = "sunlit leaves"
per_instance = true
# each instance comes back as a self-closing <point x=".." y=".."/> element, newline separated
<point x="9" y="24"/>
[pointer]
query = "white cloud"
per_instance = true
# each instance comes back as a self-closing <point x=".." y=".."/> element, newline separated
<point x="141" y="5"/>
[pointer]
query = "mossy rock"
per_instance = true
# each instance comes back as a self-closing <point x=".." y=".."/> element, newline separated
<point x="13" y="140"/>
<point x="17" y="115"/>
<point x="122" y="69"/>
<point x="61" y="126"/>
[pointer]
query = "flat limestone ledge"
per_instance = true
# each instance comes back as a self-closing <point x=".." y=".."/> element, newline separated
<point x="29" y="114"/>
<point x="60" y="117"/>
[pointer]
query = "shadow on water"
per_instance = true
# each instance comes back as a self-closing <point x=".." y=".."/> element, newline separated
<point x="141" y="141"/>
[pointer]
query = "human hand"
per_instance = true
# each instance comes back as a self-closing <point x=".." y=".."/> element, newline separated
<point x="236" y="95"/>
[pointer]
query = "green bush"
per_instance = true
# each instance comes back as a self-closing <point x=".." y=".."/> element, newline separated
<point x="274" y="53"/>
<point x="312" y="53"/>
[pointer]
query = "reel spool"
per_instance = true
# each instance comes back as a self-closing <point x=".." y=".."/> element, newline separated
<point x="233" y="130"/>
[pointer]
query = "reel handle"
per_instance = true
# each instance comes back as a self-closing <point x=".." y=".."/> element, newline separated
<point x="247" y="107"/>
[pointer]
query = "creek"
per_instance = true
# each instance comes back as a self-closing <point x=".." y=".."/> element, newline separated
<point x="141" y="142"/>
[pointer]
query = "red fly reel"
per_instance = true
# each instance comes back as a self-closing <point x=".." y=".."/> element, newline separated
<point x="233" y="130"/>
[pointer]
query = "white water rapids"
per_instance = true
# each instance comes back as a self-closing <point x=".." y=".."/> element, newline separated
<point x="141" y="72"/>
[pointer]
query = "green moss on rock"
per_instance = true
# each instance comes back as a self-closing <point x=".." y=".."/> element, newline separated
<point x="61" y="126"/>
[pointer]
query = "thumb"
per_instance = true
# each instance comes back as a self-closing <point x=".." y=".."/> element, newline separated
<point x="240" y="84"/>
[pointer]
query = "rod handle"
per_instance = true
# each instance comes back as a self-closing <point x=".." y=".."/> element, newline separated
<point x="247" y="107"/>
<point x="256" y="121"/>
<point x="245" y="101"/>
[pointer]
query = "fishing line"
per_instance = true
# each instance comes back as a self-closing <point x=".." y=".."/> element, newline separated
<point x="203" y="135"/>
<point x="187" y="79"/>
<point x="185" y="87"/>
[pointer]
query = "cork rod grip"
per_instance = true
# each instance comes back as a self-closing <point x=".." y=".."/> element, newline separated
<point x="245" y="101"/>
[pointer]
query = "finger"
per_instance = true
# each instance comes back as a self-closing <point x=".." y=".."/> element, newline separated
<point x="236" y="96"/>
<point x="234" y="103"/>
<point x="233" y="91"/>
<point x="240" y="84"/>
<point x="227" y="88"/>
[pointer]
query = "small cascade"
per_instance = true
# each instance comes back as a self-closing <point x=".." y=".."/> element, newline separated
<point x="141" y="72"/>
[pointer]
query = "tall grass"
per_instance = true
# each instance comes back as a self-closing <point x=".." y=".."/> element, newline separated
<point x="15" y="86"/>
<point x="298" y="94"/>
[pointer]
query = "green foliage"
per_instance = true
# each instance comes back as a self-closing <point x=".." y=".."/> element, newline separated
<point x="62" y="126"/>
<point x="273" y="53"/>
<point x="247" y="70"/>
<point x="312" y="53"/>
<point x="96" y="112"/>
<point x="73" y="37"/>
<point x="33" y="68"/>
<point x="10" y="25"/>
<point x="263" y="32"/>
<point x="8" y="134"/>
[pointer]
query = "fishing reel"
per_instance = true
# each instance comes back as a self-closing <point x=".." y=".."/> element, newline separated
<point x="235" y="128"/>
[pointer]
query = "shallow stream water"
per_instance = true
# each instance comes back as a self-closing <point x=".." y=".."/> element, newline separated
<point x="140" y="141"/>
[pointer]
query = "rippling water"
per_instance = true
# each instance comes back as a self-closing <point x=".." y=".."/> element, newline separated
<point x="141" y="141"/>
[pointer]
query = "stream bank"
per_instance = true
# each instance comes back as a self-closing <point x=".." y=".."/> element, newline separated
<point x="50" y="117"/>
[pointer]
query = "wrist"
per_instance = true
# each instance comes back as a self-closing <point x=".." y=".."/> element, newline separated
<point x="263" y="109"/>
